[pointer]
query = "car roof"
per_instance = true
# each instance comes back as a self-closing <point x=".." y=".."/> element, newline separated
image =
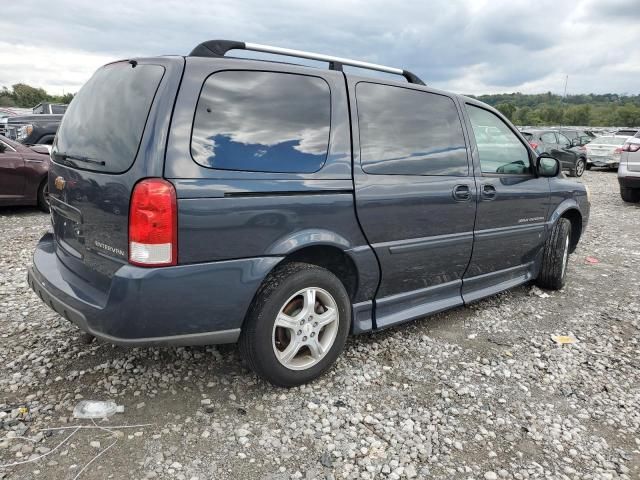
<point x="537" y="130"/>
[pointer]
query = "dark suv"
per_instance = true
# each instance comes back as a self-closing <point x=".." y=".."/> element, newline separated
<point x="207" y="199"/>
<point x="577" y="137"/>
<point x="571" y="154"/>
<point x="33" y="129"/>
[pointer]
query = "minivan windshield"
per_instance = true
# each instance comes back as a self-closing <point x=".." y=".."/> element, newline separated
<point x="105" y="120"/>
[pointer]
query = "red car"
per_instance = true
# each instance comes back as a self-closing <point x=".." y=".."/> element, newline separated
<point x="23" y="174"/>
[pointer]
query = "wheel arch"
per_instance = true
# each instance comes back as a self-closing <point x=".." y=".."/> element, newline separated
<point x="355" y="265"/>
<point x="570" y="210"/>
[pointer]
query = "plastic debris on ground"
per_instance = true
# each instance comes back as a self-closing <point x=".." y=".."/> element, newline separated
<point x="538" y="293"/>
<point x="96" y="409"/>
<point x="591" y="260"/>
<point x="564" y="339"/>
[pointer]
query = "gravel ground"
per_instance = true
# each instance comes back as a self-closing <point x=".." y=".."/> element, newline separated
<point x="481" y="392"/>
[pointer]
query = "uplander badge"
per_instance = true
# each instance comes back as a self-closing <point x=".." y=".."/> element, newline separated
<point x="59" y="183"/>
<point x="109" y="248"/>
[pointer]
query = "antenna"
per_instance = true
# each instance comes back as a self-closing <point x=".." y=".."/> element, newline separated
<point x="563" y="98"/>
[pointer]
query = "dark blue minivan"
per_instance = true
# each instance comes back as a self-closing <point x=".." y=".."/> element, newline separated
<point x="208" y="199"/>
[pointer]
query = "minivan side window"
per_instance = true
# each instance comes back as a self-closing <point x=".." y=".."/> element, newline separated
<point x="262" y="122"/>
<point x="499" y="149"/>
<point x="409" y="132"/>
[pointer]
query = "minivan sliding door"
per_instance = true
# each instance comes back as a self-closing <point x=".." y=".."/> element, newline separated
<point x="415" y="196"/>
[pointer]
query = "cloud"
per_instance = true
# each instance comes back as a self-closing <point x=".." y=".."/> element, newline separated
<point x="469" y="46"/>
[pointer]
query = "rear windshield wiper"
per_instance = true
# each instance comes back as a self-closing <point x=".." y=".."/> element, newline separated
<point x="79" y="158"/>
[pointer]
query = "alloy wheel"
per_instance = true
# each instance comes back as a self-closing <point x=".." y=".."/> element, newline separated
<point x="305" y="328"/>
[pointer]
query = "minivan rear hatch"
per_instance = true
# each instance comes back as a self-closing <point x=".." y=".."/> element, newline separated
<point x="111" y="136"/>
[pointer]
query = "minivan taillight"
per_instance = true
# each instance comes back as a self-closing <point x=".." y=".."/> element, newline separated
<point x="631" y="147"/>
<point x="153" y="224"/>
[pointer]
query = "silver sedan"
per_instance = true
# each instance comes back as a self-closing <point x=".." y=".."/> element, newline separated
<point x="605" y="151"/>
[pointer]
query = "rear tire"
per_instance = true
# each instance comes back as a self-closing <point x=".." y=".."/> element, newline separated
<point x="555" y="256"/>
<point x="43" y="196"/>
<point x="580" y="167"/>
<point x="311" y="328"/>
<point x="631" y="195"/>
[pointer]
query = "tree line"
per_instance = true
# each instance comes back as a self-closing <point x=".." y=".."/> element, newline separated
<point x="604" y="110"/>
<point x="608" y="109"/>
<point x="26" y="96"/>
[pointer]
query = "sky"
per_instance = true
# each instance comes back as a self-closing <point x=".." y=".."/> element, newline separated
<point x="466" y="46"/>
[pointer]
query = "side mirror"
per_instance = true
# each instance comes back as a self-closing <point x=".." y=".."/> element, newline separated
<point x="547" y="166"/>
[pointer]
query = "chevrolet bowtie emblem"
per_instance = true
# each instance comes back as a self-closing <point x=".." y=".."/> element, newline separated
<point x="60" y="182"/>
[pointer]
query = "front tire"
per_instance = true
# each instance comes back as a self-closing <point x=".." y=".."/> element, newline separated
<point x="43" y="196"/>
<point x="297" y="325"/>
<point x="631" y="195"/>
<point x="555" y="257"/>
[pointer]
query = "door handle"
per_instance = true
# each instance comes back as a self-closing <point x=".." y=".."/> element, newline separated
<point x="489" y="192"/>
<point x="462" y="193"/>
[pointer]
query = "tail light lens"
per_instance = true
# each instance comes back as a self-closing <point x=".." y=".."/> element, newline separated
<point x="631" y="147"/>
<point x="153" y="224"/>
<point x="617" y="151"/>
<point x="534" y="145"/>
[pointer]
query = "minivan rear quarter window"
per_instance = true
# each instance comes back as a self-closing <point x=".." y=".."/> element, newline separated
<point x="262" y="122"/>
<point x="409" y="132"/>
<point x="106" y="119"/>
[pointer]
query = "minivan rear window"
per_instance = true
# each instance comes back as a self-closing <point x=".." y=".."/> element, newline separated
<point x="105" y="120"/>
<point x="262" y="122"/>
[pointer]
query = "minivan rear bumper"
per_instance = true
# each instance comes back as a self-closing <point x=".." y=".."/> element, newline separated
<point x="196" y="304"/>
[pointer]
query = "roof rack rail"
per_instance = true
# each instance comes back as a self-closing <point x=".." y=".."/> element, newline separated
<point x="218" y="48"/>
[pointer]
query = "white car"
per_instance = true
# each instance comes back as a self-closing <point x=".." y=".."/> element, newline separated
<point x="629" y="170"/>
<point x="605" y="151"/>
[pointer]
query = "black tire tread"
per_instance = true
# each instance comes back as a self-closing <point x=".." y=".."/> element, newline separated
<point x="631" y="195"/>
<point x="271" y="283"/>
<point x="42" y="203"/>
<point x="550" y="276"/>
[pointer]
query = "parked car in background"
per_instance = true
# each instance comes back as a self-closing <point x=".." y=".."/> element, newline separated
<point x="605" y="151"/>
<point x="572" y="157"/>
<point x="629" y="170"/>
<point x="23" y="174"/>
<point x="50" y="108"/>
<point x="577" y="137"/>
<point x="283" y="206"/>
<point x="6" y="112"/>
<point x="33" y="129"/>
<point x="626" y="132"/>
